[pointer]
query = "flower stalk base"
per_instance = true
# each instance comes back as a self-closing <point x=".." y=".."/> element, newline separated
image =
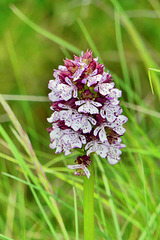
<point x="88" y="205"/>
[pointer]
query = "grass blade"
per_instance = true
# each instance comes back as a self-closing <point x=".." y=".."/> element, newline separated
<point x="108" y="192"/>
<point x="135" y="37"/>
<point x="100" y="203"/>
<point x="25" y="141"/>
<point x="75" y="214"/>
<point x="121" y="52"/>
<point x="150" y="79"/>
<point x="44" y="32"/>
<point x="5" y="238"/>
<point x="26" y="171"/>
<point x="89" y="39"/>
<point x="39" y="189"/>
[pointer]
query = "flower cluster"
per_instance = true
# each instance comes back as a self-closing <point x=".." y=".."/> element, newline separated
<point x="86" y="112"/>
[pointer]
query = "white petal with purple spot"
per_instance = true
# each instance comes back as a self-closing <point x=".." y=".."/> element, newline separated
<point x="54" y="117"/>
<point x="97" y="104"/>
<point x="56" y="133"/>
<point x="80" y="102"/>
<point x="76" y="123"/>
<point x="65" y="91"/>
<point x="98" y="147"/>
<point x="86" y="125"/>
<point x="87" y="172"/>
<point x="102" y="132"/>
<point x="114" y="155"/>
<point x="76" y="166"/>
<point x="88" y="106"/>
<point x="102" y="135"/>
<point x="54" y="96"/>
<point x="104" y="88"/>
<point x="110" y="111"/>
<point x="96" y="130"/>
<point x="93" y="79"/>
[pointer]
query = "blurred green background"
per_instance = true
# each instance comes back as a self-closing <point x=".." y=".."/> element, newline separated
<point x="126" y="35"/>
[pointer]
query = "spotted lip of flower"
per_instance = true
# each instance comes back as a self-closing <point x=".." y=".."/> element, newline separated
<point x="88" y="106"/>
<point x="104" y="87"/>
<point x="65" y="90"/>
<point x="86" y="112"/>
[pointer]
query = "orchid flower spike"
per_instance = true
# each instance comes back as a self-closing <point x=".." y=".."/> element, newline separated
<point x="86" y="112"/>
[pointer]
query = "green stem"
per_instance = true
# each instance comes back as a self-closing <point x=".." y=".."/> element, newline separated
<point x="88" y="205"/>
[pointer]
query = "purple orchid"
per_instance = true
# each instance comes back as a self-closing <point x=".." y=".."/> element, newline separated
<point x="110" y="112"/>
<point x="98" y="147"/>
<point x="86" y="112"/>
<point x="88" y="106"/>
